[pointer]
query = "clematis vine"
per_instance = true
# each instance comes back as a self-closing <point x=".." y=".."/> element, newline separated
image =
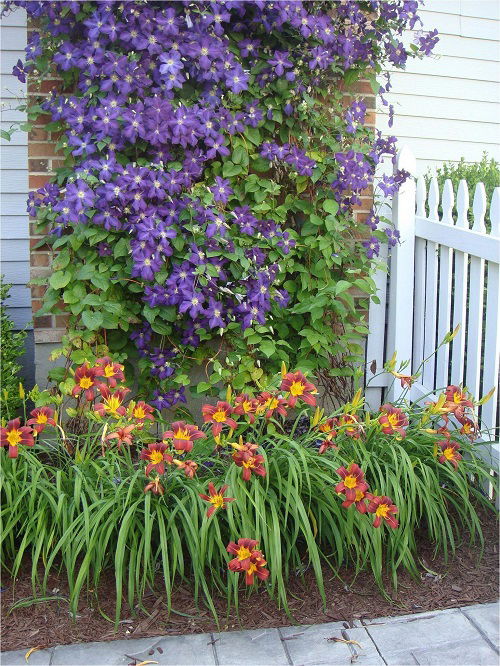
<point x="206" y="176"/>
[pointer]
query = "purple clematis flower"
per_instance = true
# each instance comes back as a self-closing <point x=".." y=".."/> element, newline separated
<point x="221" y="190"/>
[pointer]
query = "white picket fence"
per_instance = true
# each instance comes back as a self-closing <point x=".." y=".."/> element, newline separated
<point x="442" y="273"/>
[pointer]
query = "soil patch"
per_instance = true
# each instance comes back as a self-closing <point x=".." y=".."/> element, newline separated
<point x="459" y="582"/>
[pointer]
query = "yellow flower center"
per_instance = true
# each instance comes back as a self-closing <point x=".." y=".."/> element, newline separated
<point x="457" y="397"/>
<point x="297" y="388"/>
<point x="382" y="510"/>
<point x="109" y="371"/>
<point x="86" y="382"/>
<point x="139" y="413"/>
<point x="247" y="406"/>
<point x="252" y="568"/>
<point x="217" y="501"/>
<point x="449" y="453"/>
<point x="350" y="481"/>
<point x="14" y="437"/>
<point x="181" y="434"/>
<point x="249" y="464"/>
<point x="393" y="419"/>
<point x="41" y="418"/>
<point x="156" y="457"/>
<point x="243" y="553"/>
<point x="112" y="404"/>
<point x="359" y="495"/>
<point x="219" y="416"/>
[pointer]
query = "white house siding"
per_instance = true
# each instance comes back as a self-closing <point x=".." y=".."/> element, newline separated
<point x="448" y="106"/>
<point x="14" y="227"/>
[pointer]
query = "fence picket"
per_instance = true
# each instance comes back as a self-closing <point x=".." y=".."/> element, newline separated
<point x="419" y="282"/>
<point x="431" y="280"/>
<point x="476" y="299"/>
<point x="491" y="352"/>
<point x="400" y="306"/>
<point x="461" y="269"/>
<point x="444" y="290"/>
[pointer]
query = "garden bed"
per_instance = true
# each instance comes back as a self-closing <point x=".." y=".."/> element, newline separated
<point x="459" y="582"/>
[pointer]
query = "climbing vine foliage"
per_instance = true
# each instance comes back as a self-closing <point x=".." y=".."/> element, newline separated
<point x="213" y="157"/>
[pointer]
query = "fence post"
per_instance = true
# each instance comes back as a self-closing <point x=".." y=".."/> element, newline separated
<point x="401" y="285"/>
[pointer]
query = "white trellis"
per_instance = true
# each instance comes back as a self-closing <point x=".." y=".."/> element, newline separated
<point x="444" y="272"/>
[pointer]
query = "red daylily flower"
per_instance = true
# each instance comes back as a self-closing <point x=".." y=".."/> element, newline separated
<point x="189" y="466"/>
<point x="155" y="487"/>
<point x="469" y="429"/>
<point x="383" y="508"/>
<point x="156" y="453"/>
<point x="406" y="380"/>
<point x="392" y="419"/>
<point x="352" y="480"/>
<point x="359" y="501"/>
<point x="112" y="402"/>
<point x="349" y="424"/>
<point x="216" y="498"/>
<point x="248" y="559"/>
<point x="13" y="435"/>
<point x="113" y="372"/>
<point x="325" y="445"/>
<point x="297" y="386"/>
<point x="457" y="397"/>
<point x="183" y="436"/>
<point x="245" y="457"/>
<point x="328" y="428"/>
<point x="270" y="403"/>
<point x="141" y="411"/>
<point x="218" y="415"/>
<point x="449" y="452"/>
<point x="41" y="417"/>
<point x="123" y="435"/>
<point x="85" y="380"/>
<point x="246" y="406"/>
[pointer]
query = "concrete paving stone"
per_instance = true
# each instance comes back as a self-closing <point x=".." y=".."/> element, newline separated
<point x="259" y="647"/>
<point x="112" y="653"/>
<point x="402" y="618"/>
<point x="459" y="653"/>
<point x="189" y="650"/>
<point x="408" y="634"/>
<point x="16" y="658"/>
<point x="487" y="618"/>
<point x="309" y="645"/>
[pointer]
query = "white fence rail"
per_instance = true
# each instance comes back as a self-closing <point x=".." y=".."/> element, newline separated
<point x="444" y="272"/>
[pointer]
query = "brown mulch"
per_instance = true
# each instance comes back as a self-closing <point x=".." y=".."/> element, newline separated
<point x="459" y="582"/>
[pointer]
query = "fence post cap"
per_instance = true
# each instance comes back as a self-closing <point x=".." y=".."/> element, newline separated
<point x="406" y="160"/>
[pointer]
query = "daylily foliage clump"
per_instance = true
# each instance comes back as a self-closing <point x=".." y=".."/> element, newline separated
<point x="213" y="159"/>
<point x="313" y="489"/>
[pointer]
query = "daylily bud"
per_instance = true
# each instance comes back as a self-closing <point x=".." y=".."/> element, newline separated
<point x="486" y="397"/>
<point x="22" y="394"/>
<point x="283" y="368"/>
<point x="317" y="416"/>
<point x="449" y="336"/>
<point x="229" y="393"/>
<point x="391" y="364"/>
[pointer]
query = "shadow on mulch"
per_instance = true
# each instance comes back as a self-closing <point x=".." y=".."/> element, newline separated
<point x="458" y="582"/>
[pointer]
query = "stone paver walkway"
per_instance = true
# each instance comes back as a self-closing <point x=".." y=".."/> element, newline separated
<point x="466" y="636"/>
